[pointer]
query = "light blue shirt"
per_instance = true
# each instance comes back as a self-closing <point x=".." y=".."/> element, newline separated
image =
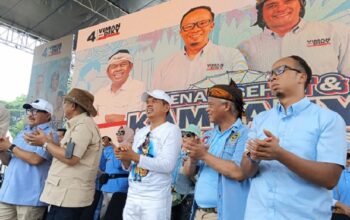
<point x="232" y="194"/>
<point x="341" y="192"/>
<point x="111" y="165"/>
<point x="206" y="190"/>
<point x="310" y="132"/>
<point x="24" y="182"/>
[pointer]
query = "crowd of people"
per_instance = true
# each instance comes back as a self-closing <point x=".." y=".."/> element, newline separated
<point x="284" y="166"/>
<point x="290" y="163"/>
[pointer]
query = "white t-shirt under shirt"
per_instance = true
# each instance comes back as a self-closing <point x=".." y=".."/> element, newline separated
<point x="151" y="177"/>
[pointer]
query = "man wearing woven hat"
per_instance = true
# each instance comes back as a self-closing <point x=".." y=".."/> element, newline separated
<point x="151" y="161"/>
<point x="221" y="189"/>
<point x="324" y="45"/>
<point x="200" y="57"/>
<point x="28" y="166"/>
<point x="122" y="95"/>
<point x="70" y="185"/>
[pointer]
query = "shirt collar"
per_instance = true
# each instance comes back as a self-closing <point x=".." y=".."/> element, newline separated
<point x="41" y="126"/>
<point x="234" y="127"/>
<point x="295" y="108"/>
<point x="71" y="122"/>
<point x="126" y="86"/>
<point x="295" y="30"/>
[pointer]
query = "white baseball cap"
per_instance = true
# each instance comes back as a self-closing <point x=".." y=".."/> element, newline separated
<point x="40" y="104"/>
<point x="158" y="94"/>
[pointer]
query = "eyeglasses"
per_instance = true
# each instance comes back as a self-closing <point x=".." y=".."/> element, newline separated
<point x="34" y="111"/>
<point x="348" y="156"/>
<point x="199" y="24"/>
<point x="279" y="70"/>
<point x="120" y="133"/>
<point x="187" y="134"/>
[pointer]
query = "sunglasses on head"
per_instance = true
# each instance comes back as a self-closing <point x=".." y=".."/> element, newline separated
<point x="120" y="133"/>
<point x="187" y="134"/>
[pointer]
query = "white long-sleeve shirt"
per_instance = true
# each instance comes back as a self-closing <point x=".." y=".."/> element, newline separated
<point x="151" y="177"/>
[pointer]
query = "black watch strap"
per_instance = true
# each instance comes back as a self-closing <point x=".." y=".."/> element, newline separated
<point x="12" y="147"/>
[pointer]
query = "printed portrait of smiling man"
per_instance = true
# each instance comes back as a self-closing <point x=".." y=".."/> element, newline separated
<point x="199" y="58"/>
<point x="121" y="96"/>
<point x="324" y="45"/>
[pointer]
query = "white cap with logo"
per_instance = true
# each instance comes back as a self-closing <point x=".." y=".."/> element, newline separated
<point x="40" y="104"/>
<point x="158" y="94"/>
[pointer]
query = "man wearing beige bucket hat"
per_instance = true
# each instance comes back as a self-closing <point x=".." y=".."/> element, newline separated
<point x="70" y="185"/>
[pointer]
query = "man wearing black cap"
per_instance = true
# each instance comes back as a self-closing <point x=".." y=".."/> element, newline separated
<point x="221" y="189"/>
<point x="70" y="185"/>
<point x="28" y="165"/>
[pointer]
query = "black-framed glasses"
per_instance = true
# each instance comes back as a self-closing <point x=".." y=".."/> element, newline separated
<point x="348" y="156"/>
<point x="199" y="24"/>
<point x="279" y="70"/>
<point x="120" y="133"/>
<point x="187" y="134"/>
<point x="33" y="111"/>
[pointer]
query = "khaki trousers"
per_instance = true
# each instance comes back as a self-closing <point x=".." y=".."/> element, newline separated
<point x="19" y="212"/>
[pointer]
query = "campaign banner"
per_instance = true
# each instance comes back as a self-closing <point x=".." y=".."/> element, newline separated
<point x="196" y="45"/>
<point x="50" y="73"/>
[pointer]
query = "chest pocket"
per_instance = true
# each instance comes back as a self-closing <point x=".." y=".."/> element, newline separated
<point x="230" y="146"/>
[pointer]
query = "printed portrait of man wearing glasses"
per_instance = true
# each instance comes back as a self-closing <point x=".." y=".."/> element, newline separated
<point x="199" y="57"/>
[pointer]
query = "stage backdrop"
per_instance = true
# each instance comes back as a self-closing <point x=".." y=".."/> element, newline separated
<point x="156" y="42"/>
<point x="50" y="72"/>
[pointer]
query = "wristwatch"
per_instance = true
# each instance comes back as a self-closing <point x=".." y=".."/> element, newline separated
<point x="45" y="146"/>
<point x="11" y="148"/>
<point x="252" y="160"/>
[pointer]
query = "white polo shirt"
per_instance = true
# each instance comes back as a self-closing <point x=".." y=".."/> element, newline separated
<point x="178" y="72"/>
<point x="325" y="46"/>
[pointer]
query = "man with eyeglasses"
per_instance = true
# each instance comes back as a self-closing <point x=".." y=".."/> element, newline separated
<point x="324" y="45"/>
<point x="121" y="96"/>
<point x="28" y="166"/>
<point x="296" y="151"/>
<point x="221" y="189"/>
<point x="151" y="161"/>
<point x="199" y="58"/>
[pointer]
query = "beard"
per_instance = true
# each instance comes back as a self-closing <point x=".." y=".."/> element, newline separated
<point x="280" y="95"/>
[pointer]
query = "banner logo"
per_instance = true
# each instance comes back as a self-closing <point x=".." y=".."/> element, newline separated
<point x="104" y="33"/>
<point x="53" y="50"/>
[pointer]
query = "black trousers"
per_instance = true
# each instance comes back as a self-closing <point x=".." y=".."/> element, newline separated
<point x="182" y="211"/>
<point x="116" y="206"/>
<point x="60" y="213"/>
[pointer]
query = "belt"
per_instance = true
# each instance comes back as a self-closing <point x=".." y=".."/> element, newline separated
<point x="118" y="175"/>
<point x="208" y="210"/>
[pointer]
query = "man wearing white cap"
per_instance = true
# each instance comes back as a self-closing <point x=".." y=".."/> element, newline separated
<point x="151" y="161"/>
<point x="28" y="167"/>
<point x="113" y="102"/>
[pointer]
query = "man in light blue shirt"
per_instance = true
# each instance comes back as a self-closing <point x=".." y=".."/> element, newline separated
<point x="296" y="151"/>
<point x="221" y="189"/>
<point x="28" y="167"/>
<point x="341" y="193"/>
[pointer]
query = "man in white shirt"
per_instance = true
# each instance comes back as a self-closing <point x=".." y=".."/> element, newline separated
<point x="200" y="58"/>
<point x="324" y="45"/>
<point x="151" y="161"/>
<point x="113" y="102"/>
